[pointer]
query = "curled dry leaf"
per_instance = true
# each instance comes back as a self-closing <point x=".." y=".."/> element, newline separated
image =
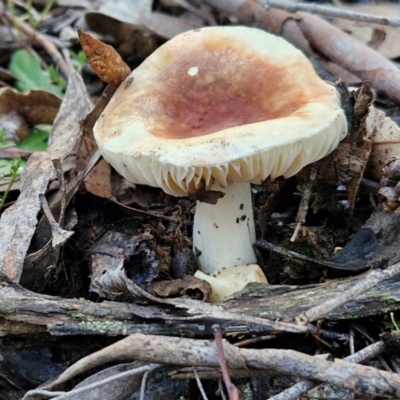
<point x="105" y="61"/>
<point x="188" y="286"/>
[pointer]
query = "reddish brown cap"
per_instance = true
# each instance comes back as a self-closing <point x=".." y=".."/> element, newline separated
<point x="219" y="104"/>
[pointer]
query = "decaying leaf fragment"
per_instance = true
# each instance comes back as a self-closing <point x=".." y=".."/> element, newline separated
<point x="346" y="164"/>
<point x="105" y="61"/>
<point x="385" y="137"/>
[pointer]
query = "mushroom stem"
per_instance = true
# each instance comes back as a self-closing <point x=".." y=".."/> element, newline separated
<point x="224" y="233"/>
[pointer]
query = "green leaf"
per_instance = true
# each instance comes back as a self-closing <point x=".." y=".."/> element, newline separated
<point x="36" y="141"/>
<point x="5" y="144"/>
<point x="30" y="75"/>
<point x="78" y="59"/>
<point x="9" y="168"/>
<point x="56" y="77"/>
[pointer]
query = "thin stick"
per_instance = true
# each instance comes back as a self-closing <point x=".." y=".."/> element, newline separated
<point x="199" y="384"/>
<point x="233" y="391"/>
<point x="263" y="244"/>
<point x="143" y="385"/>
<point x="330" y="12"/>
<point x="302" y="387"/>
<point x="61" y="181"/>
<point x="305" y="198"/>
<point x="321" y="310"/>
<point x="41" y="40"/>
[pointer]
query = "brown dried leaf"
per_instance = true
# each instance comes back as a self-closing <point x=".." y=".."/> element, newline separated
<point x="36" y="106"/>
<point x="105" y="61"/>
<point x="98" y="181"/>
<point x="189" y="285"/>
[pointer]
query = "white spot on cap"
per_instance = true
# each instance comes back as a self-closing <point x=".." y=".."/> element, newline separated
<point x="192" y="71"/>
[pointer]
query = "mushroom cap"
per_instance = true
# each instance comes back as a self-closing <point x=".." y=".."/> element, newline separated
<point x="219" y="104"/>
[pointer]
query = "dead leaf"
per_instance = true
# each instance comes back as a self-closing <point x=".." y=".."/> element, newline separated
<point x="385" y="137"/>
<point x="15" y="126"/>
<point x="131" y="24"/>
<point x="98" y="181"/>
<point x="117" y="382"/>
<point x="188" y="286"/>
<point x="117" y="260"/>
<point x="35" y="107"/>
<point x="105" y="61"/>
<point x="18" y="222"/>
<point x="347" y="163"/>
<point x="134" y="12"/>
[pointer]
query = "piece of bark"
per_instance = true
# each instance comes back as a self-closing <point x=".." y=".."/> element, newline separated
<point x="23" y="312"/>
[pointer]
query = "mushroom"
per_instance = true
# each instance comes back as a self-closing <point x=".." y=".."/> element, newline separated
<point x="219" y="108"/>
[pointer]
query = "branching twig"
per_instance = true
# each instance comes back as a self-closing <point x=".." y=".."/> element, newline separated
<point x="361" y="379"/>
<point x="330" y="12"/>
<point x="302" y="387"/>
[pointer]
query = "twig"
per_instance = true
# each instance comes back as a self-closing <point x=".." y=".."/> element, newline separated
<point x="187" y="6"/>
<point x="59" y="235"/>
<point x="143" y="385"/>
<point x="351" y="341"/>
<point x="61" y="181"/>
<point x="150" y="213"/>
<point x="41" y="40"/>
<point x="305" y="198"/>
<point x="221" y="390"/>
<point x="81" y="391"/>
<point x="233" y="391"/>
<point x="302" y="387"/>
<point x="199" y="384"/>
<point x="330" y="12"/>
<point x="263" y="244"/>
<point x="321" y="310"/>
<point x="361" y="379"/>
